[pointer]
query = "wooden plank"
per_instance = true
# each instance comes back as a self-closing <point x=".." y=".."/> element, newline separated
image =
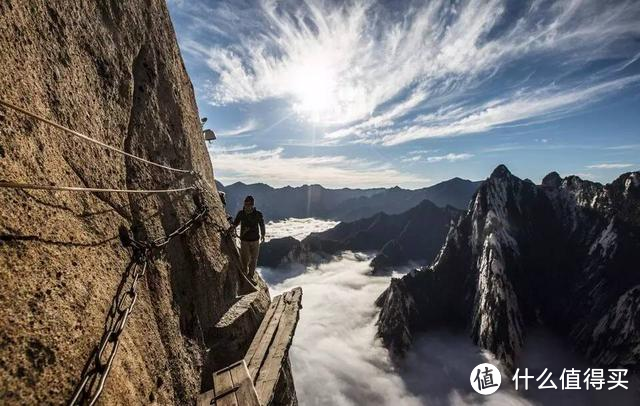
<point x="256" y="359"/>
<point x="246" y="393"/>
<point x="261" y="346"/>
<point x="252" y="380"/>
<point x="271" y="368"/>
<point x="261" y="329"/>
<point x="225" y="395"/>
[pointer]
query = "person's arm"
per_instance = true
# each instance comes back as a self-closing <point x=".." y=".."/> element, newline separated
<point x="237" y="220"/>
<point x="263" y="231"/>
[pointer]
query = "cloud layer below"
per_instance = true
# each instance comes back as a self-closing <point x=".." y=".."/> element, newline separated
<point x="337" y="360"/>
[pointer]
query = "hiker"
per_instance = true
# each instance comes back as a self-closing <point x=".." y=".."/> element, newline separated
<point x="250" y="220"/>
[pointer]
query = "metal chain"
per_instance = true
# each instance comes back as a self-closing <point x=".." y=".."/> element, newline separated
<point x="97" y="367"/>
<point x="202" y="184"/>
<point x="161" y="242"/>
<point x="100" y="361"/>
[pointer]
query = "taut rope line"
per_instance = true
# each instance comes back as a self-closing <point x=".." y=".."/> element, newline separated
<point x="87" y="138"/>
<point x="100" y="361"/>
<point x="16" y="185"/>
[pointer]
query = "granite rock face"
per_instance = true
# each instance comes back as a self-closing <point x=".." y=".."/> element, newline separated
<point x="563" y="254"/>
<point x="111" y="70"/>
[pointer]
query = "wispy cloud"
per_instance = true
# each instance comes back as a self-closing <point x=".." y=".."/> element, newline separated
<point x="541" y="105"/>
<point x="449" y="157"/>
<point x="413" y="158"/>
<point x="610" y="166"/>
<point x="623" y="147"/>
<point x="366" y="71"/>
<point x="277" y="169"/>
<point x="231" y="148"/>
<point x="243" y="129"/>
<point x="421" y="156"/>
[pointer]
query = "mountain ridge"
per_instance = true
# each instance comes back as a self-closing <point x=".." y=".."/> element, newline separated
<point x="345" y="204"/>
<point x="560" y="254"/>
<point x="399" y="239"/>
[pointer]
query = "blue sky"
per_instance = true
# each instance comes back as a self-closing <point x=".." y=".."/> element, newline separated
<point x="409" y="93"/>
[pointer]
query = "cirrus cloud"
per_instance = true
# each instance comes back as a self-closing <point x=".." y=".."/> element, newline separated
<point x="366" y="71"/>
<point x="610" y="166"/>
<point x="449" y="157"/>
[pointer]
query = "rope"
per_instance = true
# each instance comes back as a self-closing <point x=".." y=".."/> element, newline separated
<point x="16" y="185"/>
<point x="201" y="181"/>
<point x="87" y="138"/>
<point x="95" y="371"/>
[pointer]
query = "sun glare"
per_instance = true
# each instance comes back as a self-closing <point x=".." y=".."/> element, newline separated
<point x="314" y="87"/>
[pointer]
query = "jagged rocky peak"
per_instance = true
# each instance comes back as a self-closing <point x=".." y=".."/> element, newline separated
<point x="553" y="179"/>
<point x="501" y="171"/>
<point x="561" y="254"/>
<point x="624" y="192"/>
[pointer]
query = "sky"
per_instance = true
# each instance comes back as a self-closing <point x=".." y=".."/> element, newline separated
<point x="411" y="93"/>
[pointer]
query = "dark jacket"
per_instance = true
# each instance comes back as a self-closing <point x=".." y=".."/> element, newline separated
<point x="249" y="225"/>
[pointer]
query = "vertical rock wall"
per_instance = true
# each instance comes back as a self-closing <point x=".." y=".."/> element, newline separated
<point x="562" y="255"/>
<point x="112" y="70"/>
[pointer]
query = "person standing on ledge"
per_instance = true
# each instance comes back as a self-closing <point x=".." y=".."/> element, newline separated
<point x="252" y="232"/>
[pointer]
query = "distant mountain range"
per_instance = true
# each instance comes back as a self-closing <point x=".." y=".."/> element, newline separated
<point x="563" y="254"/>
<point x="415" y="235"/>
<point x="344" y="204"/>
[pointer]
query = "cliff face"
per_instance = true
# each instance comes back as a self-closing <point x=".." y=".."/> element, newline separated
<point x="563" y="254"/>
<point x="111" y="70"/>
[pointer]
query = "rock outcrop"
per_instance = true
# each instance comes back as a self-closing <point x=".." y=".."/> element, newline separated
<point x="563" y="254"/>
<point x="112" y="70"/>
<point x="274" y="252"/>
<point x="413" y="236"/>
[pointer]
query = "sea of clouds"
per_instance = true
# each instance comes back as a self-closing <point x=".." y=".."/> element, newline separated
<point x="297" y="228"/>
<point x="337" y="360"/>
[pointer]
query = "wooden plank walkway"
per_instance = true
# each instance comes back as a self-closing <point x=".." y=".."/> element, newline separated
<point x="270" y="346"/>
<point x="232" y="386"/>
<point x="252" y="381"/>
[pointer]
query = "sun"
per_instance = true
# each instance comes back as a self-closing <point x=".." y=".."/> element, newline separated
<point x="314" y="85"/>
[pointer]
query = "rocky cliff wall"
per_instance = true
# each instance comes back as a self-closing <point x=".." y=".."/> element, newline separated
<point x="112" y="70"/>
<point x="562" y="255"/>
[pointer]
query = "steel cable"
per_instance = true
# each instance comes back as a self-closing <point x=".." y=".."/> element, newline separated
<point x="95" y="371"/>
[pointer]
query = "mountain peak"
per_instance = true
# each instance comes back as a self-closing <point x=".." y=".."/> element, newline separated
<point x="553" y="179"/>
<point x="501" y="171"/>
